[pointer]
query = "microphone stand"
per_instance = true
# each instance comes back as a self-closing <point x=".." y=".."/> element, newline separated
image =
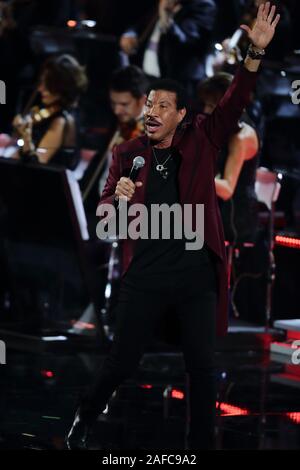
<point x="271" y="276"/>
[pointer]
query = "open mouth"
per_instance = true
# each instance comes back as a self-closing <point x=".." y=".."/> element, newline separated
<point x="152" y="125"/>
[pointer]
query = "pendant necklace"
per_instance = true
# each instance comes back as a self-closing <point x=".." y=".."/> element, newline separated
<point x="160" y="167"/>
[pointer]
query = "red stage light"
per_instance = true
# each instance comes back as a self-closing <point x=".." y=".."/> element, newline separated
<point x="47" y="373"/>
<point x="287" y="241"/>
<point x="177" y="394"/>
<point x="231" y="410"/>
<point x="294" y="417"/>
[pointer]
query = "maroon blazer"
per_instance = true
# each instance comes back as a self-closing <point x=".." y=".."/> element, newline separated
<point x="198" y="142"/>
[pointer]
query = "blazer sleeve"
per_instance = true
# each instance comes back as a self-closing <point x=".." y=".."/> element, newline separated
<point x="114" y="174"/>
<point x="221" y="123"/>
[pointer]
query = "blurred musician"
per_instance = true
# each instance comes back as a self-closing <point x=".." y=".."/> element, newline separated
<point x="127" y="93"/>
<point x="237" y="163"/>
<point x="49" y="133"/>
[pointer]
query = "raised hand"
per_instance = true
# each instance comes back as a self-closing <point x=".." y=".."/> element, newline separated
<point x="166" y="10"/>
<point x="264" y="27"/>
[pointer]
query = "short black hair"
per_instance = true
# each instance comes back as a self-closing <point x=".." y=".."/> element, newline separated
<point x="131" y="79"/>
<point x="215" y="86"/>
<point x="167" y="84"/>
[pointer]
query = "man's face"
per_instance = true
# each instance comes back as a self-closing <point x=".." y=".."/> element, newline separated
<point x="125" y="106"/>
<point x="161" y="115"/>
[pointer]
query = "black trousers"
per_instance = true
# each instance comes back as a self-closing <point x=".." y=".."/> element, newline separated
<point x="192" y="297"/>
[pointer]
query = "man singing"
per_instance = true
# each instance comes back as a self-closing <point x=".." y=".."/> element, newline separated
<point x="180" y="156"/>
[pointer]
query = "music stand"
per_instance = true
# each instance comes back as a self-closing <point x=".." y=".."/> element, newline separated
<point x="44" y="228"/>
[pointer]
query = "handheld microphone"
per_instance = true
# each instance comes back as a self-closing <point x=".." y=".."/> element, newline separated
<point x="138" y="163"/>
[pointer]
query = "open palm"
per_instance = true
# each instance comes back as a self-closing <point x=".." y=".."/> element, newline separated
<point x="264" y="27"/>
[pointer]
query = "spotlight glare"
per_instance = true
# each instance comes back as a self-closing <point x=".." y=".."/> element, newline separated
<point x="71" y="23"/>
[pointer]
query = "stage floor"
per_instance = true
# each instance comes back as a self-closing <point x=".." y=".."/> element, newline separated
<point x="258" y="401"/>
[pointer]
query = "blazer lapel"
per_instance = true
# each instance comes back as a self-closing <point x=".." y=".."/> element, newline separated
<point x="186" y="174"/>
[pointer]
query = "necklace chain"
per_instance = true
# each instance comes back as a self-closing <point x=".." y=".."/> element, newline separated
<point x="160" y="167"/>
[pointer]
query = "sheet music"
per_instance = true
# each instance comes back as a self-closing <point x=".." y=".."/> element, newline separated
<point x="77" y="200"/>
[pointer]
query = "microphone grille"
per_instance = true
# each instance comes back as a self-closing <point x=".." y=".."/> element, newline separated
<point x="138" y="162"/>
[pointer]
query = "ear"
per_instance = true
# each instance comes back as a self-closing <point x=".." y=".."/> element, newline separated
<point x="182" y="114"/>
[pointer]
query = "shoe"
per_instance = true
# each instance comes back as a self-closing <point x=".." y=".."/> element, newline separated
<point x="79" y="433"/>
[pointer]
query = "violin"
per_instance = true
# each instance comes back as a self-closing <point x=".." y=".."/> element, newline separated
<point x="24" y="121"/>
<point x="39" y="114"/>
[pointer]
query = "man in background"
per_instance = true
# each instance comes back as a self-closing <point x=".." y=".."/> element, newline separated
<point x="174" y="42"/>
<point x="127" y="94"/>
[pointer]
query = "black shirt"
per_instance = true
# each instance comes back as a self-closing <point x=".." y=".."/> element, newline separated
<point x="239" y="214"/>
<point x="158" y="257"/>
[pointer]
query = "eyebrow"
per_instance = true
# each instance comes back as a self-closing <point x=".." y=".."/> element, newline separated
<point x="160" y="102"/>
<point x="118" y="102"/>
